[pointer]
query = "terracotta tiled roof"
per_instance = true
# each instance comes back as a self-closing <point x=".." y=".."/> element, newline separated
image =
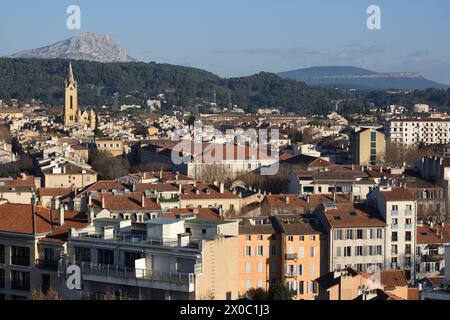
<point x="190" y="192"/>
<point x="128" y="202"/>
<point x="17" y="218"/>
<point x="200" y="213"/>
<point x="107" y="185"/>
<point x="54" y="192"/>
<point x="160" y="187"/>
<point x="397" y="194"/>
<point x="428" y="235"/>
<point x="393" y="278"/>
<point x="350" y="215"/>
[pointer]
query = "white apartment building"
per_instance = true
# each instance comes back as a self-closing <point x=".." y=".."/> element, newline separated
<point x="356" y="236"/>
<point x="416" y="130"/>
<point x="398" y="209"/>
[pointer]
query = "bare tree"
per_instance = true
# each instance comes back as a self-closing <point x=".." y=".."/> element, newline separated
<point x="108" y="166"/>
<point x="51" y="294"/>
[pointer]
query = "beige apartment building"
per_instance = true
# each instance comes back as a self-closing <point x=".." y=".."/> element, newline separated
<point x="68" y="175"/>
<point x="368" y="146"/>
<point x="114" y="147"/>
<point x="356" y="236"/>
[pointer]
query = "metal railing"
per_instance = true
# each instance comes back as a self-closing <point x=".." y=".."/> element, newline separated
<point x="137" y="239"/>
<point x="131" y="273"/>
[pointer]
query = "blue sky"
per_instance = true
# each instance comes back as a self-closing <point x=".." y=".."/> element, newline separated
<point x="240" y="37"/>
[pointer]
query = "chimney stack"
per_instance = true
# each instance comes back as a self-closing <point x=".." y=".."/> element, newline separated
<point x="103" y="202"/>
<point x="33" y="221"/>
<point x="287" y="199"/>
<point x="222" y="188"/>
<point x="61" y="215"/>
<point x="143" y="200"/>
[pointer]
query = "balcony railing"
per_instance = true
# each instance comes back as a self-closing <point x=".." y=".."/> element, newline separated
<point x="394" y="227"/>
<point x="291" y="256"/>
<point x="137" y="239"/>
<point x="132" y="273"/>
<point x="394" y="213"/>
<point x="432" y="257"/>
<point x="47" y="264"/>
<point x="408" y="213"/>
<point x="408" y="226"/>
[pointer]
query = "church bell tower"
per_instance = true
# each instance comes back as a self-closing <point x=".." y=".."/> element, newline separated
<point x="71" y="99"/>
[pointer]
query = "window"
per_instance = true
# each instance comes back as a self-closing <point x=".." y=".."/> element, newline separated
<point x="394" y="207"/>
<point x="20" y="280"/>
<point x="130" y="258"/>
<point x="2" y="253"/>
<point x="379" y="233"/>
<point x="312" y="238"/>
<point x="349" y="234"/>
<point x="82" y="254"/>
<point x="260" y="251"/>
<point x="301" y="287"/>
<point x="338" y="251"/>
<point x="379" y="250"/>
<point x="260" y="238"/>
<point x="300" y="270"/>
<point x="20" y="256"/>
<point x="2" y="278"/>
<point x="301" y="238"/>
<point x="359" y="234"/>
<point x="394" y="236"/>
<point x="273" y="251"/>
<point x="313" y="252"/>
<point x="247" y="251"/>
<point x="248" y="237"/>
<point x="260" y="267"/>
<point x="408" y="236"/>
<point x="394" y="249"/>
<point x="301" y="252"/>
<point x="105" y="256"/>
<point x="310" y="287"/>
<point x="290" y="238"/>
<point x="338" y="235"/>
<point x="248" y="268"/>
<point x="248" y="284"/>
<point x="359" y="251"/>
<point x="347" y="251"/>
<point x="260" y="284"/>
<point x="312" y="269"/>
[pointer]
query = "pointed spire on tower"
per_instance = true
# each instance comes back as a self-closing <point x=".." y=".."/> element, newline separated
<point x="71" y="78"/>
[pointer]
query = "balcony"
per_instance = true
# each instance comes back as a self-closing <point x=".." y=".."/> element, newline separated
<point x="394" y="213"/>
<point x="291" y="256"/>
<point x="432" y="257"/>
<point x="408" y="213"/>
<point x="408" y="226"/>
<point x="136" y="239"/>
<point x="394" y="227"/>
<point x="46" y="264"/>
<point x="133" y="276"/>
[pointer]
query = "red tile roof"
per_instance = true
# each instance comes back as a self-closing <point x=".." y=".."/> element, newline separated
<point x="108" y="185"/>
<point x="350" y="215"/>
<point x="128" y="202"/>
<point x="200" y="213"/>
<point x="54" y="192"/>
<point x="397" y="194"/>
<point x="190" y="192"/>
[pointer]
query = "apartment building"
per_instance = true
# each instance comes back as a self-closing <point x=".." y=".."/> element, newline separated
<point x="19" y="190"/>
<point x="356" y="236"/>
<point x="398" y="208"/>
<point x="340" y="180"/>
<point x="412" y="131"/>
<point x="430" y="249"/>
<point x="62" y="173"/>
<point x="32" y="240"/>
<point x="368" y="146"/>
<point x="111" y="146"/>
<point x="159" y="259"/>
<point x="285" y="249"/>
<point x="203" y="195"/>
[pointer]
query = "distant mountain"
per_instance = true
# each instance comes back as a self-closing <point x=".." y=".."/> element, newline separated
<point x="85" y="46"/>
<point x="359" y="78"/>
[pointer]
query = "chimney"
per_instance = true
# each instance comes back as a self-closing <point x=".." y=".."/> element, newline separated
<point x="103" y="202"/>
<point x="90" y="199"/>
<point x="308" y="199"/>
<point x="287" y="199"/>
<point x="161" y="174"/>
<point x="61" y="215"/>
<point x="177" y="175"/>
<point x="180" y="188"/>
<point x="143" y="200"/>
<point x="33" y="222"/>
<point x="91" y="215"/>
<point x="222" y="188"/>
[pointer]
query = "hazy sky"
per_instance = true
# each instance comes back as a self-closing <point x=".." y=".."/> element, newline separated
<point x="239" y="37"/>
